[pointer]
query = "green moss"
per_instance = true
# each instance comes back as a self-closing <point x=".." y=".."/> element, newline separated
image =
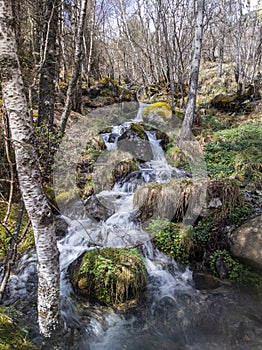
<point x="236" y="271"/>
<point x="108" y="81"/>
<point x="111" y="276"/>
<point x="5" y="238"/>
<point x="139" y="129"/>
<point x="171" y="238"/>
<point x="236" y="152"/>
<point x="163" y="109"/>
<point x="66" y="196"/>
<point x="175" y="156"/>
<point x="12" y="336"/>
<point x="107" y="93"/>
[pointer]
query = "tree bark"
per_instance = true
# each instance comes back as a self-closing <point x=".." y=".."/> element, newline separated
<point x="186" y="132"/>
<point x="76" y="67"/>
<point x="48" y="74"/>
<point x="29" y="175"/>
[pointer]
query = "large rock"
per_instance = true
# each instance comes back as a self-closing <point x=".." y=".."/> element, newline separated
<point x="135" y="141"/>
<point x="246" y="242"/>
<point x="109" y="276"/>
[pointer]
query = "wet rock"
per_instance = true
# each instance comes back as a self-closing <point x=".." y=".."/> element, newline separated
<point x="246" y="242"/>
<point x="205" y="281"/>
<point x="124" y="168"/>
<point x="164" y="139"/>
<point x="96" y="209"/>
<point x="61" y="227"/>
<point x="135" y="141"/>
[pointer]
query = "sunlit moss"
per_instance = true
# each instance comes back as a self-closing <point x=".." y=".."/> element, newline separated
<point x="110" y="276"/>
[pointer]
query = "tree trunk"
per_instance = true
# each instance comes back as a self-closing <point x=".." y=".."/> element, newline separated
<point x="29" y="175"/>
<point x="46" y="101"/>
<point x="186" y="132"/>
<point x="76" y="67"/>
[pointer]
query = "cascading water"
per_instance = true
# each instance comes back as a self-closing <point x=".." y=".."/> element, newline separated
<point x="174" y="315"/>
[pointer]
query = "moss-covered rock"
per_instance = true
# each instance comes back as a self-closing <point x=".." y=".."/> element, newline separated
<point x="171" y="238"/>
<point x="175" y="156"/>
<point x="162" y="109"/>
<point x="109" y="276"/>
<point x="237" y="101"/>
<point x="135" y="141"/>
<point x="123" y="168"/>
<point x="222" y="264"/>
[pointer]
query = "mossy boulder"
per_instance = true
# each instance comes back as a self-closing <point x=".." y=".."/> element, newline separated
<point x="157" y="114"/>
<point x="175" y="156"/>
<point x="123" y="168"/>
<point x="173" y="239"/>
<point x="110" y="276"/>
<point x="236" y="102"/>
<point x="135" y="141"/>
<point x="246" y="242"/>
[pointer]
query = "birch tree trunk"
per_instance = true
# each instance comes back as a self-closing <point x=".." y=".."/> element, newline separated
<point x="46" y="103"/>
<point x="186" y="132"/>
<point x="76" y="67"/>
<point x="29" y="175"/>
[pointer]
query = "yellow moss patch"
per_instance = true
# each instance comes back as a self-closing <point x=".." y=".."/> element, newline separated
<point x="161" y="108"/>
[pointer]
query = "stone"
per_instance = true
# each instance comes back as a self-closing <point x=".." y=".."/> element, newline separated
<point x="246" y="242"/>
<point x="206" y="281"/>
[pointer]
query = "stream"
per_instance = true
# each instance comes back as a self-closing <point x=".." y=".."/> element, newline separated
<point x="173" y="314"/>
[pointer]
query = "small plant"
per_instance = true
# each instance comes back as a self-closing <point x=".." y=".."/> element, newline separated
<point x="172" y="239"/>
<point x="235" y="270"/>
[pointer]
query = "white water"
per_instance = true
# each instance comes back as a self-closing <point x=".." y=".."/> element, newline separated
<point x="173" y="316"/>
<point x="119" y="230"/>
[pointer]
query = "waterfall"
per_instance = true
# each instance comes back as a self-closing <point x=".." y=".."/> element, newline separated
<point x="173" y="315"/>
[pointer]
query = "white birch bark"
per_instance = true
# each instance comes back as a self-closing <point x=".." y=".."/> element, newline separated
<point x="186" y="132"/>
<point x="29" y="175"/>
